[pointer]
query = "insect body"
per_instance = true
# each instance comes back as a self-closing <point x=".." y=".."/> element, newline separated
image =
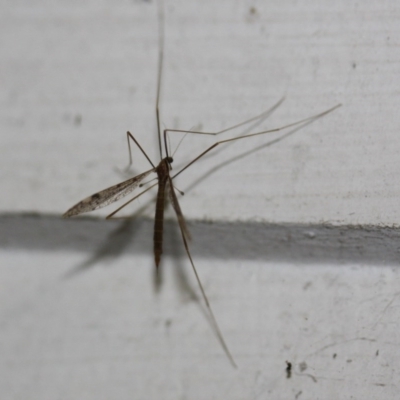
<point x="163" y="180"/>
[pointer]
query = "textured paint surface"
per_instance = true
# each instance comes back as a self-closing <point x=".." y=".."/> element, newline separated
<point x="78" y="75"/>
<point x="103" y="331"/>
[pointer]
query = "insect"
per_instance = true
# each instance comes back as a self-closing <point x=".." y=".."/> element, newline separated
<point x="165" y="184"/>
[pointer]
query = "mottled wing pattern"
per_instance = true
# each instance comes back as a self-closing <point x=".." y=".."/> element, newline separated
<point x="107" y="196"/>
<point x="177" y="208"/>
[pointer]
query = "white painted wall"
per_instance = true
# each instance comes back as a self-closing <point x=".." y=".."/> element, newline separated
<point x="76" y="75"/>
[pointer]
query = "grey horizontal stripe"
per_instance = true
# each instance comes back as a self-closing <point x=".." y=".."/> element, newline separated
<point x="240" y="240"/>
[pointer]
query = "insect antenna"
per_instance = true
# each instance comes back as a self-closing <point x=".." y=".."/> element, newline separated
<point x="180" y="141"/>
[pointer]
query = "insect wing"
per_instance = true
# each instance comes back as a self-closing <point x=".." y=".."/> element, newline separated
<point x="107" y="196"/>
<point x="178" y="211"/>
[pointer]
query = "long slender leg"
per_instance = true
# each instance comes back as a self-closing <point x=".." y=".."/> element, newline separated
<point x="184" y="233"/>
<point x="263" y="115"/>
<point x="303" y="121"/>
<point x="159" y="78"/>
<point x="160" y="67"/>
<point x="258" y="119"/>
<point x="130" y="201"/>
<point x="129" y="135"/>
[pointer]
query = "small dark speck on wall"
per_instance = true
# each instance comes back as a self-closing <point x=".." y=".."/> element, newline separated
<point x="288" y="369"/>
<point x="168" y="322"/>
<point x="77" y="119"/>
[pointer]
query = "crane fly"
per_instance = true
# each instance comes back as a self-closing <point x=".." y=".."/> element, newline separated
<point x="165" y="184"/>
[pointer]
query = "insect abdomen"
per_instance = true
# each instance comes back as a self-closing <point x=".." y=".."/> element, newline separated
<point x="159" y="222"/>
